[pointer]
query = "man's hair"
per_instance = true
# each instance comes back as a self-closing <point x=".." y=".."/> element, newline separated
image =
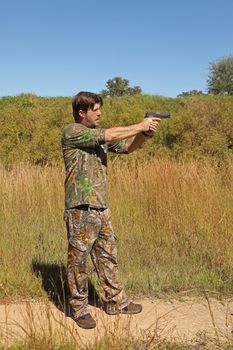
<point x="84" y="100"/>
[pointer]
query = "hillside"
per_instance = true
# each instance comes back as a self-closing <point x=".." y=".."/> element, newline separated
<point x="201" y="126"/>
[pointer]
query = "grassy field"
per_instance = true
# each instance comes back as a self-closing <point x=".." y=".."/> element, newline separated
<point x="173" y="222"/>
<point x="178" y="219"/>
<point x="174" y="226"/>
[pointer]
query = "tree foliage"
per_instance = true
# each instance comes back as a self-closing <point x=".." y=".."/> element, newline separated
<point x="190" y="93"/>
<point x="220" y="79"/>
<point x="119" y="86"/>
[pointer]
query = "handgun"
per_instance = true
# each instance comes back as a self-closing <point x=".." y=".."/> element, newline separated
<point x="157" y="115"/>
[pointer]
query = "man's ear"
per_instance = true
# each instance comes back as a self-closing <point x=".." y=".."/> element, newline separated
<point x="81" y="114"/>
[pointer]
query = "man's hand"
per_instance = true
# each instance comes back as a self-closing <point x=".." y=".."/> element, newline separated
<point x="150" y="125"/>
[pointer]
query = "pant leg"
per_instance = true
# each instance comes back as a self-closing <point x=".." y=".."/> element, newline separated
<point x="82" y="228"/>
<point x="104" y="257"/>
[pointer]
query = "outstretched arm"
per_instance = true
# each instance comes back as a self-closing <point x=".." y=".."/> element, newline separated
<point x="124" y="132"/>
<point x="137" y="141"/>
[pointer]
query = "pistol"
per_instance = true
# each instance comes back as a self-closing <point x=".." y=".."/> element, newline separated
<point x="157" y="115"/>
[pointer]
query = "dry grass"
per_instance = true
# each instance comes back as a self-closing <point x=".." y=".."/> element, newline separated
<point x="174" y="223"/>
<point x="178" y="218"/>
<point x="32" y="227"/>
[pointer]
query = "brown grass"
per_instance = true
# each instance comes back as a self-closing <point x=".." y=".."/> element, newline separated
<point x="173" y="221"/>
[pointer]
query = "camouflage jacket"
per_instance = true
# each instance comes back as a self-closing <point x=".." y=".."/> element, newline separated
<point x="85" y="158"/>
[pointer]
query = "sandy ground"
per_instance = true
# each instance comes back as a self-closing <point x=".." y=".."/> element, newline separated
<point x="163" y="318"/>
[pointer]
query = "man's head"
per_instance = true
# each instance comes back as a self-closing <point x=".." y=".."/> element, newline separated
<point x="86" y="108"/>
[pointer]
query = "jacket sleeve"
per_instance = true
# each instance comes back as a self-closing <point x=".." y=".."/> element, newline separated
<point x="118" y="147"/>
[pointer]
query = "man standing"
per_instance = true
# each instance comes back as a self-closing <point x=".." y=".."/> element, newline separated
<point x="87" y="216"/>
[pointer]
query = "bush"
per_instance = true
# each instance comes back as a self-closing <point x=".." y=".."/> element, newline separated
<point x="200" y="127"/>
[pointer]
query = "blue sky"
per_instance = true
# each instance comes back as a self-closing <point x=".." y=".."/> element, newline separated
<point x="57" y="48"/>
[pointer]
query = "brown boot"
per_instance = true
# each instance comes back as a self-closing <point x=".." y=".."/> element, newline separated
<point x="129" y="309"/>
<point x="86" y="321"/>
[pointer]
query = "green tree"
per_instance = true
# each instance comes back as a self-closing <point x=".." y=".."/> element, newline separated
<point x="220" y="79"/>
<point x="190" y="93"/>
<point x="119" y="87"/>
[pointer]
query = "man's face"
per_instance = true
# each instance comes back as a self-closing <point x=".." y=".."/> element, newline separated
<point x="92" y="116"/>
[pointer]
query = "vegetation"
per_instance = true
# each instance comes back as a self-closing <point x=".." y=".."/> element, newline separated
<point x="174" y="204"/>
<point x="194" y="194"/>
<point x="113" y="342"/>
<point x="177" y="216"/>
<point x="200" y="126"/>
<point x="220" y="81"/>
<point x="119" y="87"/>
<point x="190" y="93"/>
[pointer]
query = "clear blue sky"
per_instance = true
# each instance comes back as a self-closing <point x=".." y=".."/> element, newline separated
<point x="59" y="47"/>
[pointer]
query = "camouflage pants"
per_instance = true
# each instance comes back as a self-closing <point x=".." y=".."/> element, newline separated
<point x="90" y="232"/>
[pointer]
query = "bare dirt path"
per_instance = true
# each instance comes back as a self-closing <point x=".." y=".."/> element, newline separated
<point x="181" y="320"/>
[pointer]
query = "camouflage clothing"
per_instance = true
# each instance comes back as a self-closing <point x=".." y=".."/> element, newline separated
<point x="90" y="232"/>
<point x="85" y="157"/>
<point x="87" y="217"/>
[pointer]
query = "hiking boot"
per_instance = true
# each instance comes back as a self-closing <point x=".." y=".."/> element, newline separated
<point x="129" y="309"/>
<point x="86" y="321"/>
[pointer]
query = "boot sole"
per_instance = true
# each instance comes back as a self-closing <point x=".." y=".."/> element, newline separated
<point x="123" y="312"/>
<point x="86" y="326"/>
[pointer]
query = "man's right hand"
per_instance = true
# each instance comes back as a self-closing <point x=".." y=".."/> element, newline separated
<point x="150" y="124"/>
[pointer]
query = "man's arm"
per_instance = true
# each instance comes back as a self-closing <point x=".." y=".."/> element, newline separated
<point x="124" y="132"/>
<point x="134" y="143"/>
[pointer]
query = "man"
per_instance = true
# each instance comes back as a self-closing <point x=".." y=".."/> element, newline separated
<point x="87" y="216"/>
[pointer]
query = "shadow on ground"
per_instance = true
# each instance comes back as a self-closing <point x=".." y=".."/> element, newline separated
<point x="54" y="282"/>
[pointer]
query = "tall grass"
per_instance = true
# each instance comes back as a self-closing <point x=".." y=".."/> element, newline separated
<point x="175" y="225"/>
<point x="173" y="222"/>
<point x="32" y="228"/>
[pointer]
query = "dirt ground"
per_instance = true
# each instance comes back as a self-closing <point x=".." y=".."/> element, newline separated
<point x="176" y="319"/>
